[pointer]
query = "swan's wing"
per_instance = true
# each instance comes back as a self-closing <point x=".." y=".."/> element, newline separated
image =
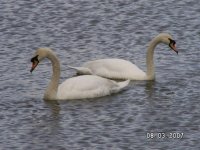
<point x="115" y="69"/>
<point x="88" y="86"/>
<point x="81" y="70"/>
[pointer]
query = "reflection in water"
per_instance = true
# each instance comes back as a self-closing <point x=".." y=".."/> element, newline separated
<point x="54" y="107"/>
<point x="150" y="88"/>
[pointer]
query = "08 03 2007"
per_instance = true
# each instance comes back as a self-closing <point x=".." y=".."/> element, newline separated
<point x="163" y="135"/>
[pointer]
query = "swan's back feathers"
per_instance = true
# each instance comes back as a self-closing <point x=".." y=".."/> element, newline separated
<point x="81" y="70"/>
<point x="115" y="69"/>
<point x="88" y="86"/>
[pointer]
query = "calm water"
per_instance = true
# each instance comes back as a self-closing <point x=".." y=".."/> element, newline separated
<point x="79" y="31"/>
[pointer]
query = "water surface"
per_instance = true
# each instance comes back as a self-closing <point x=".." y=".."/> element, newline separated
<point x="79" y="31"/>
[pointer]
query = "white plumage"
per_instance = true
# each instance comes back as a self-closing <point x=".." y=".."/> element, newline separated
<point x="112" y="68"/>
<point x="86" y="86"/>
<point x="122" y="69"/>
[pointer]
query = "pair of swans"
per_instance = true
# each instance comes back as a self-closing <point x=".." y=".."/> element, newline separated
<point x="94" y="83"/>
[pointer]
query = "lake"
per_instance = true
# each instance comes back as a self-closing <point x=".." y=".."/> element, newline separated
<point x="147" y="115"/>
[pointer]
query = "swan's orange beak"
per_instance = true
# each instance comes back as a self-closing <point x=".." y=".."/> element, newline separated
<point x="34" y="65"/>
<point x="35" y="62"/>
<point x="173" y="47"/>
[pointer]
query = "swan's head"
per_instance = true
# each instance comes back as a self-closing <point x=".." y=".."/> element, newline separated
<point x="167" y="39"/>
<point x="39" y="55"/>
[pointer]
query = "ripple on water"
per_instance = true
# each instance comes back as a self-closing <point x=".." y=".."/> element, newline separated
<point x="85" y="30"/>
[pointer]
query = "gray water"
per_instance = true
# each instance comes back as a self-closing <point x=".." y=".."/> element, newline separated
<point x="84" y="30"/>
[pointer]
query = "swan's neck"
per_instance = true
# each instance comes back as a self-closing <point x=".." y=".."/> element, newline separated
<point x="51" y="91"/>
<point x="149" y="58"/>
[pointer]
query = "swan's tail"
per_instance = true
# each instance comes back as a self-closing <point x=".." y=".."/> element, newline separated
<point x="121" y="86"/>
<point x="81" y="70"/>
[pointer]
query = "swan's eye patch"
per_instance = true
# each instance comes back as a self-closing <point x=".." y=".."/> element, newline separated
<point x="35" y="62"/>
<point x="172" y="41"/>
<point x="34" y="59"/>
<point x="172" y="45"/>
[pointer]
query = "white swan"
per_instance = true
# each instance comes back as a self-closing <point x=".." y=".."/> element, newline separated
<point x="122" y="69"/>
<point x="87" y="86"/>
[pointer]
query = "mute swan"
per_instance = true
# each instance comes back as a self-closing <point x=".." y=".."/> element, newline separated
<point x="123" y="69"/>
<point x="87" y="86"/>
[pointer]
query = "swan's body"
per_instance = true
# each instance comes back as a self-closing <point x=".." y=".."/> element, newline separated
<point x="87" y="86"/>
<point x="112" y="68"/>
<point x="122" y="69"/>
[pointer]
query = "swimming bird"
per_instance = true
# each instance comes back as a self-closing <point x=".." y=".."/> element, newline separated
<point x="122" y="69"/>
<point x="81" y="87"/>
